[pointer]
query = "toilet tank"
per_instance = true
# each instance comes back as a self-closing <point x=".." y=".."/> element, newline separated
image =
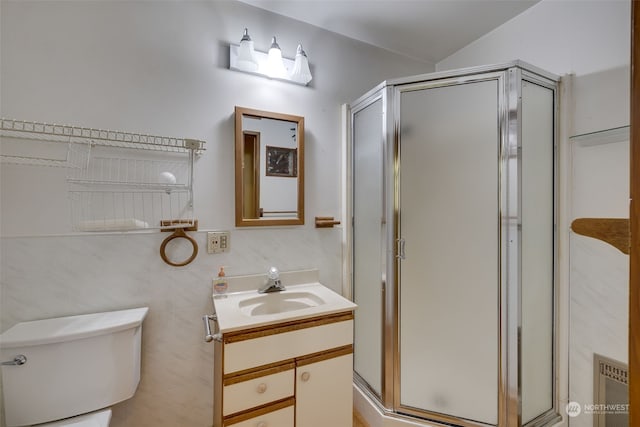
<point x="74" y="365"/>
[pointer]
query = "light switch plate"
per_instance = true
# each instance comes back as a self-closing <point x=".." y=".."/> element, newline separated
<point x="218" y="241"/>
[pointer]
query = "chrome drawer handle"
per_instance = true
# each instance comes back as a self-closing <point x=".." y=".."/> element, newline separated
<point x="20" y="359"/>
<point x="262" y="387"/>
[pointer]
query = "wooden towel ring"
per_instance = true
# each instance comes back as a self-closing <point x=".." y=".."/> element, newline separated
<point x="179" y="232"/>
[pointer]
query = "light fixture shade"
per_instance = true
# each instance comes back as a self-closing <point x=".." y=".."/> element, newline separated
<point x="301" y="72"/>
<point x="246" y="55"/>
<point x="275" y="66"/>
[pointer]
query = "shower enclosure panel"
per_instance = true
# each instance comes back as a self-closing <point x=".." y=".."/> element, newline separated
<point x="368" y="241"/>
<point x="449" y="269"/>
<point x="453" y="245"/>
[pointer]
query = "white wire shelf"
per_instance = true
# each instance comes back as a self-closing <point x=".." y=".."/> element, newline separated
<point x="132" y="186"/>
<point x="109" y="210"/>
<point x="122" y="190"/>
<point x="115" y="167"/>
<point x="77" y="134"/>
<point x="116" y="181"/>
<point x="33" y="161"/>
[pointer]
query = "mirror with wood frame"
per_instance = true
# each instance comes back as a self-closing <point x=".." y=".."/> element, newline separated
<point x="269" y="156"/>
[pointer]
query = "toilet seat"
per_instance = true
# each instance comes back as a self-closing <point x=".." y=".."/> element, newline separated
<point x="100" y="418"/>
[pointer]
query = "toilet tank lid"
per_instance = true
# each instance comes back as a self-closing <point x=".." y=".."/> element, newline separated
<point x="71" y="328"/>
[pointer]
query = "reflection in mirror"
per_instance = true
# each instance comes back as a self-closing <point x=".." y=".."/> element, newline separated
<point x="269" y="168"/>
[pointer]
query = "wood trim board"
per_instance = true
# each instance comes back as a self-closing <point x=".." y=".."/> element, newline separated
<point x="614" y="231"/>
<point x="294" y="325"/>
<point x="634" y="253"/>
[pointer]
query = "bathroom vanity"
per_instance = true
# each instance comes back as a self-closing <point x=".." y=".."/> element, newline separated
<point x="283" y="359"/>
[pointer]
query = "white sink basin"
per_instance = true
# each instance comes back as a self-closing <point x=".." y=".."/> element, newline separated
<point x="279" y="302"/>
<point x="239" y="310"/>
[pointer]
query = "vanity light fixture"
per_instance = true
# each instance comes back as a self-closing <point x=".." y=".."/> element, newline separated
<point x="275" y="67"/>
<point x="301" y="72"/>
<point x="245" y="58"/>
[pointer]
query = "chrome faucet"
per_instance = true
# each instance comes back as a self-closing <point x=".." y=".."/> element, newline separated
<point x="273" y="282"/>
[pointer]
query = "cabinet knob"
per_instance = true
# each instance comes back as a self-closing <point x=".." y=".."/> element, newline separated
<point x="262" y="387"/>
<point x="262" y="424"/>
<point x="305" y="376"/>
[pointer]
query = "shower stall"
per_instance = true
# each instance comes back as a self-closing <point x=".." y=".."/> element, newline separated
<point x="453" y="245"/>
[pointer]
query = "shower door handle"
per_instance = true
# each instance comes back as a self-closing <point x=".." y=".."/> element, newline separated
<point x="401" y="254"/>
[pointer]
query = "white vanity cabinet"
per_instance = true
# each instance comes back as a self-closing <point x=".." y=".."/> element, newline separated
<point x="324" y="392"/>
<point x="288" y="374"/>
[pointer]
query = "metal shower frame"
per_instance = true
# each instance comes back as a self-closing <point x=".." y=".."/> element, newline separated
<point x="510" y="77"/>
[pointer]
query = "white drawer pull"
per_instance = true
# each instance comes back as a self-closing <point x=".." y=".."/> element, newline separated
<point x="262" y="387"/>
<point x="261" y="424"/>
<point x="305" y="376"/>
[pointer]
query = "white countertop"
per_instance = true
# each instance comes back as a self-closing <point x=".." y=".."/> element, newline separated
<point x="232" y="318"/>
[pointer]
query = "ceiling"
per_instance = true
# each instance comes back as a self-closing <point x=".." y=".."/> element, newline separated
<point x="428" y="30"/>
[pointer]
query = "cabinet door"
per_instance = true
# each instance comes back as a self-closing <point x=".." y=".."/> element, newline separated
<point x="324" y="393"/>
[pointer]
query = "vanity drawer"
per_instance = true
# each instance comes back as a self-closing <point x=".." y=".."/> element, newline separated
<point x="242" y="354"/>
<point x="278" y="417"/>
<point x="248" y="391"/>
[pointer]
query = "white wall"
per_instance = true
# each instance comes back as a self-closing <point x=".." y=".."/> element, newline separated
<point x="561" y="36"/>
<point x="588" y="38"/>
<point x="599" y="272"/>
<point x="161" y="68"/>
<point x="591" y="40"/>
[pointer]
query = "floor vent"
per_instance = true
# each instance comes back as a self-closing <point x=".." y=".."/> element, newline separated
<point x="610" y="392"/>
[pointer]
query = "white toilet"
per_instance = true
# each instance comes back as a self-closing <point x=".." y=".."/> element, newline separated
<point x="57" y="371"/>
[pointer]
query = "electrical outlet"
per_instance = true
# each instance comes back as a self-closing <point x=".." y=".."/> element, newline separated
<point x="218" y="241"/>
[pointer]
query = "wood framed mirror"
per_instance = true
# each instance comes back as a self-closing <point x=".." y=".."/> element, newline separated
<point x="269" y="159"/>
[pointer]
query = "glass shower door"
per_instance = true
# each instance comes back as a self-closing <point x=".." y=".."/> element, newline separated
<point x="368" y="242"/>
<point x="449" y="152"/>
